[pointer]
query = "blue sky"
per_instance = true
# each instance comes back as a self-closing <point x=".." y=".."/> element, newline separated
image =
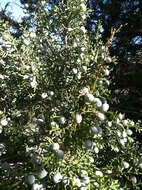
<point x="14" y="8"/>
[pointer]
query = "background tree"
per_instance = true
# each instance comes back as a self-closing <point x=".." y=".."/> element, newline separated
<point x="127" y="45"/>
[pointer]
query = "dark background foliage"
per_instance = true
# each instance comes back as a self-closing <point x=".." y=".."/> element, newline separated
<point x="127" y="46"/>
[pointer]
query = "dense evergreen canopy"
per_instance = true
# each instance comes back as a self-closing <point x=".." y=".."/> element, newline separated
<point x="57" y="129"/>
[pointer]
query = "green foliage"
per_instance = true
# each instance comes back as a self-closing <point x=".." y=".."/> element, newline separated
<point x="56" y="128"/>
